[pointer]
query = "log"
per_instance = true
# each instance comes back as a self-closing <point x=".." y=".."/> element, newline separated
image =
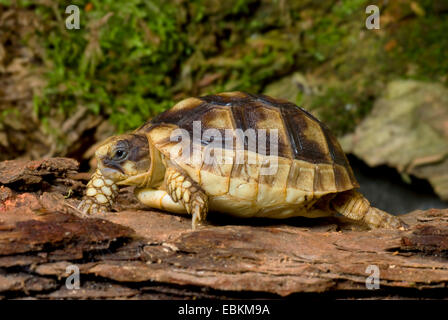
<point x="138" y="253"/>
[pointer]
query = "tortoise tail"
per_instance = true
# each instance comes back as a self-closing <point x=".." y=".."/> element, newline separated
<point x="354" y="205"/>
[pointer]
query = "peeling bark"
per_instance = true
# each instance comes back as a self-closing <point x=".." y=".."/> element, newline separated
<point x="147" y="254"/>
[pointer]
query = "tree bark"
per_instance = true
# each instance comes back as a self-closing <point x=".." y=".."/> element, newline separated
<point x="140" y="254"/>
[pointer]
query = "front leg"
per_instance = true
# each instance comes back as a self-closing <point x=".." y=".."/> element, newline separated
<point x="100" y="194"/>
<point x="183" y="189"/>
<point x="158" y="199"/>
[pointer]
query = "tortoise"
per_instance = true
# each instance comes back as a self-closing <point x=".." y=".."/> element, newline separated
<point x="250" y="156"/>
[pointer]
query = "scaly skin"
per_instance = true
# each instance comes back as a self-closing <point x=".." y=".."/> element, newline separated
<point x="184" y="190"/>
<point x="100" y="194"/>
<point x="353" y="205"/>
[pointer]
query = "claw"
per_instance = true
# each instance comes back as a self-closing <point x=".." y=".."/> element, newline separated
<point x="196" y="219"/>
<point x="391" y="222"/>
<point x="397" y="223"/>
<point x="85" y="205"/>
<point x="81" y="205"/>
<point x="94" y="208"/>
<point x="198" y="216"/>
<point x="404" y="226"/>
<point x="88" y="206"/>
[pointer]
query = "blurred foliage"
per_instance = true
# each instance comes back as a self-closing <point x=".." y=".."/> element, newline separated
<point x="132" y="59"/>
<point x="118" y="64"/>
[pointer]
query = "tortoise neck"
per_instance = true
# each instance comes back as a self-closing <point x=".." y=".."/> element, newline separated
<point x="153" y="176"/>
<point x="156" y="173"/>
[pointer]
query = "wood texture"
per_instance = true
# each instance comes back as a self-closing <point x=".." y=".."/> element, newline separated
<point x="137" y="254"/>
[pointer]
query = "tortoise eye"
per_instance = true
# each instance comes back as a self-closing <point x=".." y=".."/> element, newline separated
<point x="120" y="154"/>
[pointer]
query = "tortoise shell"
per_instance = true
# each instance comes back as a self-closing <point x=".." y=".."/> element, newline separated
<point x="311" y="161"/>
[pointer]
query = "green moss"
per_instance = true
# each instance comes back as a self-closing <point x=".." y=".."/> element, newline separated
<point x="340" y="109"/>
<point x="356" y="63"/>
<point x="118" y="68"/>
<point x="149" y="54"/>
<point x="330" y="32"/>
<point x="422" y="45"/>
<point x="146" y="54"/>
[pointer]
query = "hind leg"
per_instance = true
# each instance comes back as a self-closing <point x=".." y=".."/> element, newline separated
<point x="353" y="205"/>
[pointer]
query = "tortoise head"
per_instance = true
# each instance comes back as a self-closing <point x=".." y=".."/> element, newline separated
<point x="124" y="159"/>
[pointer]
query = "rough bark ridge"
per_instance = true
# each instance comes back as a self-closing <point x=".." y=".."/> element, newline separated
<point x="137" y="254"/>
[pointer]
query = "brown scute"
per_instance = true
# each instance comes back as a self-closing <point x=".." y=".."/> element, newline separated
<point x="244" y="167"/>
<point x="317" y="183"/>
<point x="301" y="135"/>
<point x="247" y="115"/>
<point x="294" y="174"/>
<point x="227" y="98"/>
<point x="258" y="116"/>
<point x="268" y="179"/>
<point x="303" y="148"/>
<point x="215" y="168"/>
<point x="351" y="175"/>
<point x="186" y="104"/>
<point x="343" y="179"/>
<point x="336" y="151"/>
<point x="305" y="179"/>
<point x="324" y="178"/>
<point x="214" y="124"/>
<point x="301" y="176"/>
<point x="319" y="178"/>
<point x="239" y="170"/>
<point x="273" y="102"/>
